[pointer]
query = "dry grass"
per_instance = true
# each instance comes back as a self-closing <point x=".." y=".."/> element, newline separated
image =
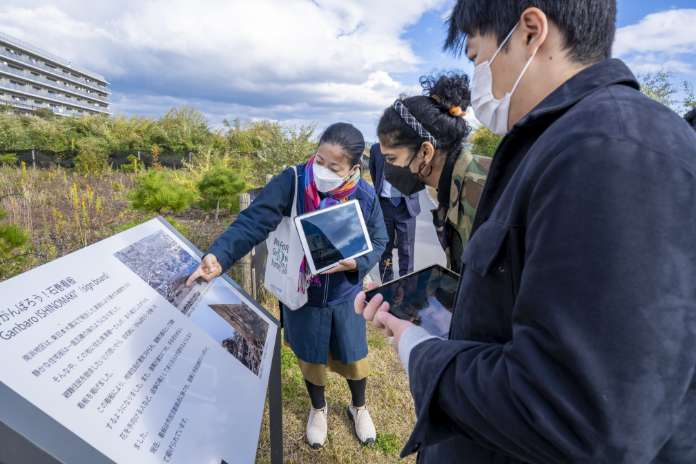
<point x="388" y="400"/>
<point x="64" y="211"/>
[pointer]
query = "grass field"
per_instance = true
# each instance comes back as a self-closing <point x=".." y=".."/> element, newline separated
<point x="388" y="400"/>
<point x="63" y="211"/>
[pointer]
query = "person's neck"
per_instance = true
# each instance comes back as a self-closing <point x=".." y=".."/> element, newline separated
<point x="529" y="96"/>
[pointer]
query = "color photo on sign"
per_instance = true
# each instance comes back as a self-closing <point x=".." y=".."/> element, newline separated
<point x="248" y="336"/>
<point x="165" y="266"/>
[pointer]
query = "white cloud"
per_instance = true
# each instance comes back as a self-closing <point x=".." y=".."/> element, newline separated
<point x="326" y="57"/>
<point x="661" y="41"/>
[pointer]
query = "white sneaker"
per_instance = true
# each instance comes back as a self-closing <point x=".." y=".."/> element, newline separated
<point x="362" y="422"/>
<point x="317" y="427"/>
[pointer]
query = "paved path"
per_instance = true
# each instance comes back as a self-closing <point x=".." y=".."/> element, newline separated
<point x="428" y="249"/>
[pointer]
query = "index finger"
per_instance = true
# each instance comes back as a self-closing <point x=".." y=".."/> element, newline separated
<point x="192" y="278"/>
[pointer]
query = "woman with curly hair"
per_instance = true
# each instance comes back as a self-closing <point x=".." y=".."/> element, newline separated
<point x="422" y="140"/>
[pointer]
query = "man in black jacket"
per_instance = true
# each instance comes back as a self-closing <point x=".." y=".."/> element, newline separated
<point x="574" y="331"/>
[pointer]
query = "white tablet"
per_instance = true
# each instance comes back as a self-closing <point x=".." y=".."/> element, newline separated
<point x="333" y="234"/>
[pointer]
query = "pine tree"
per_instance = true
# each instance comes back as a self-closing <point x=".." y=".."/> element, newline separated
<point x="220" y="188"/>
<point x="158" y="192"/>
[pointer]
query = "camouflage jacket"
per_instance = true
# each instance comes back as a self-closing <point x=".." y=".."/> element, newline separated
<point x="454" y="221"/>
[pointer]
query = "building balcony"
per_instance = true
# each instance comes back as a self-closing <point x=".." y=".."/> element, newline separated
<point x="23" y="60"/>
<point x="40" y="80"/>
<point x="30" y="92"/>
<point x="27" y="106"/>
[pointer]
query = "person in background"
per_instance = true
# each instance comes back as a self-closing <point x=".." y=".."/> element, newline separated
<point x="422" y="140"/>
<point x="400" y="213"/>
<point x="325" y="334"/>
<point x="574" y="325"/>
<point x="691" y="118"/>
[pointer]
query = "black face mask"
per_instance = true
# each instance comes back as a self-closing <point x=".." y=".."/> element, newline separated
<point x="403" y="179"/>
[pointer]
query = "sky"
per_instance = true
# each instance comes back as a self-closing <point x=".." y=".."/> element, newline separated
<point x="299" y="62"/>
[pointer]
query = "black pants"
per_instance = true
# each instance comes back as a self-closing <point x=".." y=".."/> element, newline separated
<point x="401" y="229"/>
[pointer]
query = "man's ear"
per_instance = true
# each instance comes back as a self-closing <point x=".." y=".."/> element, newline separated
<point x="534" y="25"/>
<point x="428" y="151"/>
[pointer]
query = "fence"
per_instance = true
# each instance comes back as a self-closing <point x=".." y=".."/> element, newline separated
<point x="48" y="159"/>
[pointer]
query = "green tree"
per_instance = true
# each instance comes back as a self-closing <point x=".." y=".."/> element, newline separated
<point x="128" y="135"/>
<point x="484" y="142"/>
<point x="13" y="132"/>
<point x="159" y="192"/>
<point x="220" y="187"/>
<point x="46" y="134"/>
<point x="690" y="96"/>
<point x="659" y="87"/>
<point x="184" y="130"/>
<point x="270" y="147"/>
<point x="12" y="241"/>
<point x="92" y="155"/>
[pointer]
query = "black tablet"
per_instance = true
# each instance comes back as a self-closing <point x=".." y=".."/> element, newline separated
<point x="425" y="297"/>
<point x="333" y="234"/>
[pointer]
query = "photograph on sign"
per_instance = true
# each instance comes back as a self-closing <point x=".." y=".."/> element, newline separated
<point x="112" y="345"/>
<point x="165" y="266"/>
<point x="248" y="335"/>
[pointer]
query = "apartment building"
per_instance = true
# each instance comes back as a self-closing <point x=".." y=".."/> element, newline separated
<point x="32" y="79"/>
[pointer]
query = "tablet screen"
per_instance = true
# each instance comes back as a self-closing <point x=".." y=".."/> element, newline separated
<point x="425" y="298"/>
<point x="334" y="234"/>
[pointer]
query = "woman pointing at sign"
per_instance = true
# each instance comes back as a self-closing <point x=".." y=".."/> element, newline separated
<point x="325" y="333"/>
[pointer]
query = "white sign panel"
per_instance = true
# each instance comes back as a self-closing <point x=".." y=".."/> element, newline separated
<point x="111" y="343"/>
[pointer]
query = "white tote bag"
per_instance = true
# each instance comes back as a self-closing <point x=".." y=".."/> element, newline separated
<point x="285" y="255"/>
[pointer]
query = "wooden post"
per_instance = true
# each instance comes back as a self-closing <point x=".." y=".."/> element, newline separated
<point x="244" y="202"/>
<point x="33" y="158"/>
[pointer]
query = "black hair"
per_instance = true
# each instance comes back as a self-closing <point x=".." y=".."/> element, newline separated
<point x="588" y="26"/>
<point x="691" y="118"/>
<point x="348" y="137"/>
<point x="433" y="111"/>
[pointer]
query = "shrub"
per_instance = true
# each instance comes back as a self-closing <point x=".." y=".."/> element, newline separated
<point x="133" y="164"/>
<point x="92" y="156"/>
<point x="8" y="159"/>
<point x="484" y="142"/>
<point x="220" y="188"/>
<point x="159" y="192"/>
<point x="12" y="240"/>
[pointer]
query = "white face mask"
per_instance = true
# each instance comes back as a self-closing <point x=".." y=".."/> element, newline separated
<point x="493" y="113"/>
<point x="325" y="179"/>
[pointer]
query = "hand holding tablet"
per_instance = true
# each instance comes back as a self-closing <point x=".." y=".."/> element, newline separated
<point x="424" y="298"/>
<point x="333" y="237"/>
<point x="347" y="265"/>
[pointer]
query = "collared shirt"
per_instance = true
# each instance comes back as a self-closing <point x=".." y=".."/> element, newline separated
<point x="389" y="191"/>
